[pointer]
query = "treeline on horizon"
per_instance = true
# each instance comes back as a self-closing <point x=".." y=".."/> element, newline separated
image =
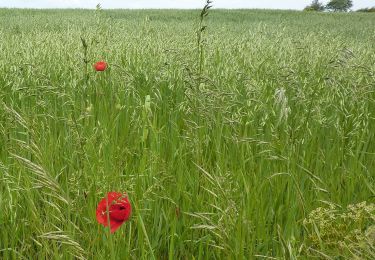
<point x="336" y="6"/>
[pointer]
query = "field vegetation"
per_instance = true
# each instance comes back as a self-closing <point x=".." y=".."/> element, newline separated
<point x="251" y="139"/>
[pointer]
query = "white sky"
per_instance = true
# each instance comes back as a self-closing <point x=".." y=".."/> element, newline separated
<point x="269" y="4"/>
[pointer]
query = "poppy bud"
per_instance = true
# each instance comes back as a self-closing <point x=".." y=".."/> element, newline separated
<point x="100" y="66"/>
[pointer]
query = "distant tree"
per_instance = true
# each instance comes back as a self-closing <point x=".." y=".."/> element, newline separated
<point x="315" y="6"/>
<point x="339" y="5"/>
<point x="367" y="10"/>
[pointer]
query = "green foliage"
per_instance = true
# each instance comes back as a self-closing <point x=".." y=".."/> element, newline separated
<point x="339" y="5"/>
<point x="228" y="168"/>
<point x="315" y="6"/>
<point x="367" y="10"/>
<point x="335" y="232"/>
<point x="201" y="29"/>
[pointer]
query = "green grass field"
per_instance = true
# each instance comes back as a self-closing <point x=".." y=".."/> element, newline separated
<point x="249" y="143"/>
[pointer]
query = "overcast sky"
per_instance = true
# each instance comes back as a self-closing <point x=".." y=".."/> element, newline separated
<point x="274" y="4"/>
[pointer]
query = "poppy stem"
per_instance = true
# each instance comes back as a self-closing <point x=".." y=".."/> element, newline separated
<point x="144" y="230"/>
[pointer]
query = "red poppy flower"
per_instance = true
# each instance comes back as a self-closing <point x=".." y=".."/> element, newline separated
<point x="117" y="206"/>
<point x="100" y="66"/>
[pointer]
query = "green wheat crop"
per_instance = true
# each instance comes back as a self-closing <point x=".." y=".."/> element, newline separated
<point x="229" y="132"/>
